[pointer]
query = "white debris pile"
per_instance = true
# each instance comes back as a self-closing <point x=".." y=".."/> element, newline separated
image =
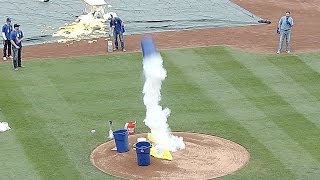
<point x="85" y="26"/>
<point x="4" y="126"/>
<point x="92" y="24"/>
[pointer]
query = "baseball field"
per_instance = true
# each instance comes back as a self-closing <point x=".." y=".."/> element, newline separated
<point x="267" y="103"/>
<point x="225" y="82"/>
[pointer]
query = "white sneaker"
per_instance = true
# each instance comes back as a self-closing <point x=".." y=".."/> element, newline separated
<point x="278" y="52"/>
<point x="4" y="58"/>
<point x="16" y="69"/>
<point x="10" y="57"/>
<point x="288" y="51"/>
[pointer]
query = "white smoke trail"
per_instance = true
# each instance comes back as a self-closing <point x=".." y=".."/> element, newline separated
<point x="156" y="116"/>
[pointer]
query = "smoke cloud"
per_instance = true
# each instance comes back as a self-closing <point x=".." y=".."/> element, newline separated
<point x="156" y="117"/>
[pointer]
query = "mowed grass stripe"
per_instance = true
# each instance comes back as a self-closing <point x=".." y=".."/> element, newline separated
<point x="39" y="144"/>
<point x="189" y="102"/>
<point x="14" y="162"/>
<point x="59" y="119"/>
<point x="312" y="60"/>
<point x="243" y="111"/>
<point x="277" y="109"/>
<point x="83" y="94"/>
<point x="293" y="120"/>
<point x="305" y="76"/>
<point x="290" y="91"/>
<point x="111" y="89"/>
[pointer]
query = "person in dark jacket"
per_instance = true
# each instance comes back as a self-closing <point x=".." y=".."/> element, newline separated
<point x="6" y="30"/>
<point x="117" y="26"/>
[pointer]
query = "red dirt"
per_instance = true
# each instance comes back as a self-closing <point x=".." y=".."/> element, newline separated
<point x="258" y="38"/>
<point x="205" y="157"/>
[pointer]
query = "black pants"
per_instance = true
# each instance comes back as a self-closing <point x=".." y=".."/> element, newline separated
<point x="17" y="57"/>
<point x="6" y="46"/>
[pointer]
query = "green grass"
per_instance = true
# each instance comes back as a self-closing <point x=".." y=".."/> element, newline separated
<point x="269" y="104"/>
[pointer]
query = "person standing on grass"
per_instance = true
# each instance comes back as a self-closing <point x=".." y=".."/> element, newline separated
<point x="117" y="26"/>
<point x="6" y="30"/>
<point x="16" y="37"/>
<point x="284" y="29"/>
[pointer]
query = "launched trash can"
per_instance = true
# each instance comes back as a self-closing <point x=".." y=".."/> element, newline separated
<point x="121" y="140"/>
<point x="143" y="153"/>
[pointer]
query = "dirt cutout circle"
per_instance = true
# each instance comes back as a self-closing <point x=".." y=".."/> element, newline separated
<point x="205" y="157"/>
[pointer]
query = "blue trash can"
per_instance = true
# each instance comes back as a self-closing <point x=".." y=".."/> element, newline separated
<point x="121" y="140"/>
<point x="143" y="153"/>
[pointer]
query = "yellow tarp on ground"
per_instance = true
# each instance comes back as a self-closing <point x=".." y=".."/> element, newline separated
<point x="158" y="153"/>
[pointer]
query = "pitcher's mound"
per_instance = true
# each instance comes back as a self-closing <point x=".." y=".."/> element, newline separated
<point x="205" y="157"/>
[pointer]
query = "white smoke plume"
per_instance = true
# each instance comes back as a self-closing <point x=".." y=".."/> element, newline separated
<point x="156" y="116"/>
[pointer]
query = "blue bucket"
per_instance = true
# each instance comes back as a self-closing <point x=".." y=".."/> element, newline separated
<point x="143" y="153"/>
<point x="121" y="140"/>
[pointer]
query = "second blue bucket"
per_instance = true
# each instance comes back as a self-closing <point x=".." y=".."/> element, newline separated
<point x="143" y="153"/>
<point x="121" y="140"/>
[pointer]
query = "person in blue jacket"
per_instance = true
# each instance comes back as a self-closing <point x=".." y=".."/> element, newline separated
<point x="16" y="36"/>
<point x="6" y="30"/>
<point x="284" y="29"/>
<point x="117" y="26"/>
